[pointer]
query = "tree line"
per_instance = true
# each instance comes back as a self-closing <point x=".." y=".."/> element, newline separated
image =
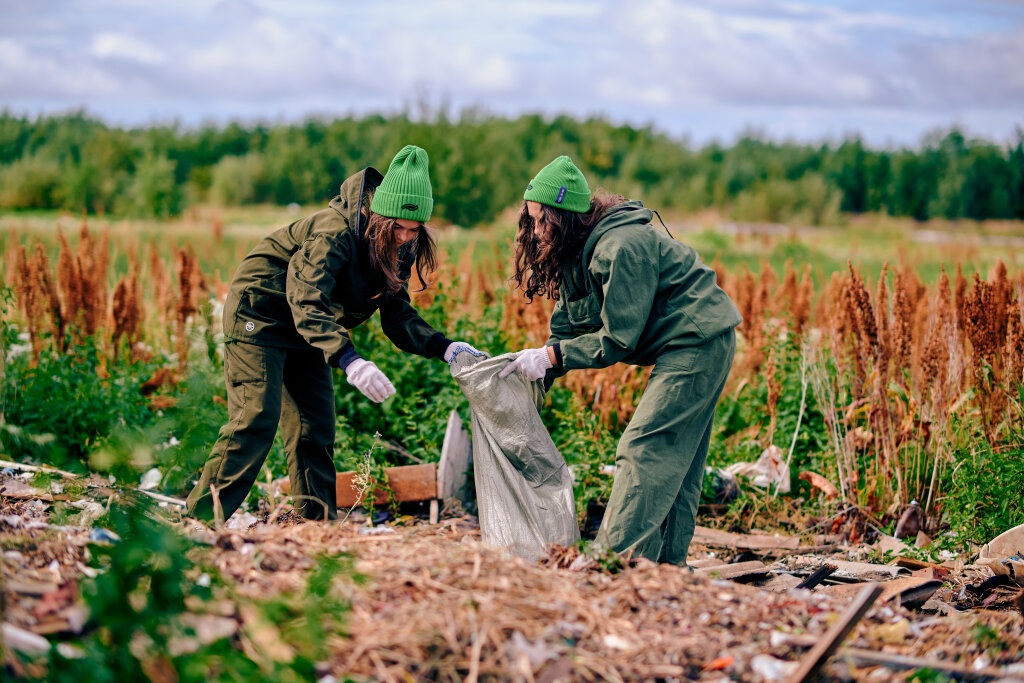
<point x="481" y="162"/>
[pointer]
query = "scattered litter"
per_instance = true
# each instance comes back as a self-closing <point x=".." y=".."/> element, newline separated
<point x="151" y="479"/>
<point x="101" y="535"/>
<point x="240" y="521"/>
<point x="769" y="470"/>
<point x="770" y="668"/>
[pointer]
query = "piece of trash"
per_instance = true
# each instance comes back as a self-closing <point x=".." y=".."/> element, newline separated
<point x="13" y="521"/>
<point x="769" y="470"/>
<point x="151" y="479"/>
<point x="720" y="486"/>
<point x="375" y="530"/>
<point x="771" y="669"/>
<point x="718" y="664"/>
<point x="381" y="517"/>
<point x="536" y="653"/>
<point x="616" y="642"/>
<point x="100" y="535"/>
<point x="1004" y="545"/>
<point x="241" y="521"/>
<point x="891" y="634"/>
<point x="90" y="511"/>
<point x="911" y="521"/>
<point x="819" y="482"/>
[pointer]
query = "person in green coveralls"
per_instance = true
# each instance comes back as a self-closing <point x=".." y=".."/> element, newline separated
<point x="291" y="303"/>
<point x="627" y="292"/>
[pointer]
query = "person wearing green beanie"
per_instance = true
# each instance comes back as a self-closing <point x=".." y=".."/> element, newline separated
<point x="287" y="316"/>
<point x="626" y="292"/>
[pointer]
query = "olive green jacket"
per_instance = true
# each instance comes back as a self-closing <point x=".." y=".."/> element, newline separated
<point x="308" y="283"/>
<point x="634" y="292"/>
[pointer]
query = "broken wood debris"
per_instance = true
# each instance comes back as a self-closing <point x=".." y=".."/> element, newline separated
<point x="810" y="664"/>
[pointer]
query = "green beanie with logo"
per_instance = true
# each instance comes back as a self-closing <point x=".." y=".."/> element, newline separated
<point x="405" y="191"/>
<point x="561" y="185"/>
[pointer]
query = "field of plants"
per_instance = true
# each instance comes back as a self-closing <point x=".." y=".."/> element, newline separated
<point x="883" y="359"/>
<point x="890" y="367"/>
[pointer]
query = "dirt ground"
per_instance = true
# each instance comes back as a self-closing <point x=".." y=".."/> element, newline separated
<point x="439" y="605"/>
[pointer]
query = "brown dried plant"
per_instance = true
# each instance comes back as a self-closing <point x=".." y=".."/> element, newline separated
<point x="191" y="290"/>
<point x="31" y="301"/>
<point x="774" y="391"/>
<point x="906" y="296"/>
<point x="72" y="287"/>
<point x="126" y="308"/>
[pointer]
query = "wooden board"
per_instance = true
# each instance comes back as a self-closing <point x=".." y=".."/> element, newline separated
<point x="715" y="537"/>
<point x="409" y="482"/>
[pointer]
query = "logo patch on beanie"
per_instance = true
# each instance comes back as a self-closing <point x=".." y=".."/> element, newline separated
<point x="561" y="195"/>
<point x="410" y="207"/>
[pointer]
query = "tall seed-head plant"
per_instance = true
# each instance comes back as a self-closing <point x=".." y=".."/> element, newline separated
<point x="126" y="308"/>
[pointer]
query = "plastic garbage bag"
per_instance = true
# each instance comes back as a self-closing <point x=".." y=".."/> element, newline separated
<point x="770" y="469"/>
<point x="523" y="485"/>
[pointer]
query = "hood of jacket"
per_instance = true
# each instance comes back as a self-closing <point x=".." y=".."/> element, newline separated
<point x="629" y="212"/>
<point x="350" y="197"/>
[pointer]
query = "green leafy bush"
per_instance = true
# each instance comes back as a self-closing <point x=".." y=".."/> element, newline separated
<point x="67" y="396"/>
<point x="982" y="499"/>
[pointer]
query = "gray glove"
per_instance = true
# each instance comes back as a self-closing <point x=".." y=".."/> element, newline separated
<point x="367" y="378"/>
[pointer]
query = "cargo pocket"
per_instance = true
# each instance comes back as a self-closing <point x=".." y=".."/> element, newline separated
<point x="244" y="363"/>
<point x="584" y="315"/>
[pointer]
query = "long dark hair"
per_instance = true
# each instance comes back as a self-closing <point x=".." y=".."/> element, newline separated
<point x="539" y="267"/>
<point x="383" y="249"/>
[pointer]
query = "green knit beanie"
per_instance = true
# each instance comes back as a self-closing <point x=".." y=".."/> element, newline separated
<point x="405" y="191"/>
<point x="561" y="185"/>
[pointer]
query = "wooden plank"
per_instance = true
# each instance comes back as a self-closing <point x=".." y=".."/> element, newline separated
<point x="828" y="644"/>
<point x="410" y="483"/>
<point x="734" y="570"/>
<point x="705" y="536"/>
<point x="456" y="454"/>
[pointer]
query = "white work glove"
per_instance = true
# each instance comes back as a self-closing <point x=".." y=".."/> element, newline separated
<point x="531" y="363"/>
<point x="367" y="378"/>
<point x="458" y="347"/>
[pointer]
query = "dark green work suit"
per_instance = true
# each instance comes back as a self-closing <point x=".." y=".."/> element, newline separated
<point x="635" y="295"/>
<point x="292" y="300"/>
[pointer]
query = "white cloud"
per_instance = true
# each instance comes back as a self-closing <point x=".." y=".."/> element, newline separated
<point x="817" y="66"/>
<point x="110" y="45"/>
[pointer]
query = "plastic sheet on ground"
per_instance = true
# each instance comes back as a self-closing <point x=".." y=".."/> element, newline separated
<point x="523" y="485"/>
<point x="770" y="469"/>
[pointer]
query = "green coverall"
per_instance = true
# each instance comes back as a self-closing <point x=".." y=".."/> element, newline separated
<point x="635" y="295"/>
<point x="292" y="300"/>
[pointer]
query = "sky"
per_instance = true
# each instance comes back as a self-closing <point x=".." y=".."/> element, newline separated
<point x="889" y="71"/>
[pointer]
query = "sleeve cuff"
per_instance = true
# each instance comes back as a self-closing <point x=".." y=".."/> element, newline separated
<point x="436" y="345"/>
<point x="346" y="357"/>
<point x="557" y="347"/>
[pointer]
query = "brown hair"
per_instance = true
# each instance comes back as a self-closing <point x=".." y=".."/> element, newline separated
<point x="539" y="267"/>
<point x="383" y="249"/>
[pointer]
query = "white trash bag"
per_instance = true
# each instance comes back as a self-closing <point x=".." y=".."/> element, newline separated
<point x="523" y="486"/>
